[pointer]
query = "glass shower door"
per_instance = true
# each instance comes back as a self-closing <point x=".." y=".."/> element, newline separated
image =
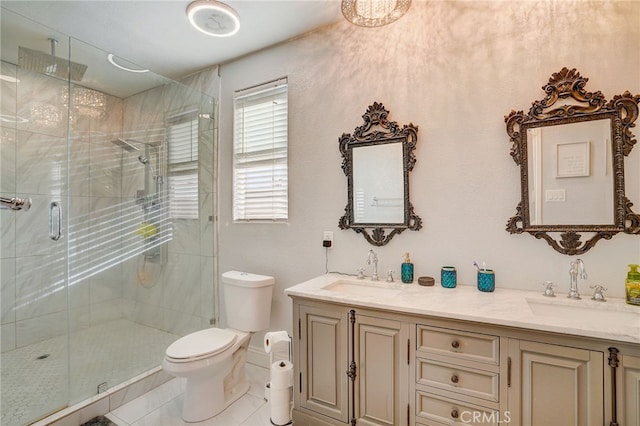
<point x="34" y="153"/>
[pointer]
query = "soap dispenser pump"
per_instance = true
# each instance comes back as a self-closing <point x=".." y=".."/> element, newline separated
<point x="406" y="270"/>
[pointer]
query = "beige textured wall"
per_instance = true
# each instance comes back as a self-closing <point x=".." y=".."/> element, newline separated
<point x="454" y="69"/>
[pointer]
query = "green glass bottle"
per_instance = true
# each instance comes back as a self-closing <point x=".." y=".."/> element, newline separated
<point x="632" y="285"/>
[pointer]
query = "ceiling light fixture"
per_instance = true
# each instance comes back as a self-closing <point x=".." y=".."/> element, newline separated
<point x="112" y="60"/>
<point x="9" y="78"/>
<point x="374" y="13"/>
<point x="213" y="18"/>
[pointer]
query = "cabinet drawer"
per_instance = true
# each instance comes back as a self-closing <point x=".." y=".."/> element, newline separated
<point x="432" y="408"/>
<point x="459" y="344"/>
<point x="462" y="380"/>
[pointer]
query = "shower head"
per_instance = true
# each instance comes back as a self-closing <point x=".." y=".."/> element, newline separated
<point x="126" y="145"/>
<point x="144" y="160"/>
<point x="44" y="63"/>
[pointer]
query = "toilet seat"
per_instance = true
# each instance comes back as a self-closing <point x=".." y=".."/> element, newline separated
<point x="201" y="344"/>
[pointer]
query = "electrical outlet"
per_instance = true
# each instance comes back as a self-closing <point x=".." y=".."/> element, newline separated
<point x="327" y="239"/>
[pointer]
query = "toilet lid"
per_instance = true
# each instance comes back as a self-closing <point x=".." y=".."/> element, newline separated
<point x="204" y="342"/>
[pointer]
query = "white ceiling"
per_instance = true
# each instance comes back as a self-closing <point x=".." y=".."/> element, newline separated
<point x="153" y="34"/>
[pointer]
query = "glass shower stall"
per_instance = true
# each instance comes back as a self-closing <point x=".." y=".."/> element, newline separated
<point x="107" y="224"/>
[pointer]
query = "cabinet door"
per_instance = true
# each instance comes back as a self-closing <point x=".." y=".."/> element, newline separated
<point x="555" y="385"/>
<point x="323" y="361"/>
<point x="629" y="393"/>
<point x="382" y="359"/>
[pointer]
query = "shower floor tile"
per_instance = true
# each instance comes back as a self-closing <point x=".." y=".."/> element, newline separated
<point x="112" y="352"/>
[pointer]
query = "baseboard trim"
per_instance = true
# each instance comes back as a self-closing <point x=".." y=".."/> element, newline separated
<point x="257" y="356"/>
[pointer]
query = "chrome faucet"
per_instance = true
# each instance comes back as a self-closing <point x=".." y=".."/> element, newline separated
<point x="577" y="267"/>
<point x="372" y="257"/>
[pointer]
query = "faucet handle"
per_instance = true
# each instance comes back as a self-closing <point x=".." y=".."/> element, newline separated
<point x="548" y="289"/>
<point x="390" y="276"/>
<point x="361" y="273"/>
<point x="597" y="293"/>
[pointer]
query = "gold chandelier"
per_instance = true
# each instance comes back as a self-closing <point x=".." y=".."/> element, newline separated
<point x="374" y="13"/>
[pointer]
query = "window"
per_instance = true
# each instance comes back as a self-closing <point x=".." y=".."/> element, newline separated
<point x="182" y="165"/>
<point x="260" y="181"/>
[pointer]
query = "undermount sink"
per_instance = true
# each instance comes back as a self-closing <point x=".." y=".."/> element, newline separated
<point x="364" y="288"/>
<point x="587" y="313"/>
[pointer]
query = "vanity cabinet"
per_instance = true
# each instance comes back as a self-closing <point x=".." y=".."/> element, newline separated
<point x="321" y="356"/>
<point x="367" y="366"/>
<point x="628" y="392"/>
<point x="353" y="366"/>
<point x="555" y="385"/>
<point x="457" y="377"/>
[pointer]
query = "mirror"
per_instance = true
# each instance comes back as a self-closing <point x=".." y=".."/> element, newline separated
<point x="570" y="147"/>
<point x="377" y="160"/>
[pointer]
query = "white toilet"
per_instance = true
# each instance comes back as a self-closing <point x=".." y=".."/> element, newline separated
<point x="213" y="360"/>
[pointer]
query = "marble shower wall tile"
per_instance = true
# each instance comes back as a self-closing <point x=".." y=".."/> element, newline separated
<point x="143" y="115"/>
<point x="107" y="285"/>
<point x="181" y="323"/>
<point x="79" y="294"/>
<point x="180" y="98"/>
<point x="8" y="290"/>
<point x="79" y="318"/>
<point x="41" y="164"/>
<point x="182" y="283"/>
<point x="149" y="315"/>
<point x="105" y="170"/>
<point x="8" y="336"/>
<point x="41" y="101"/>
<point x="7" y="233"/>
<point x="186" y="237"/>
<point x="8" y="89"/>
<point x="41" y="328"/>
<point x="32" y="228"/>
<point x="79" y="168"/>
<point x="105" y="311"/>
<point x="8" y="135"/>
<point x="40" y="285"/>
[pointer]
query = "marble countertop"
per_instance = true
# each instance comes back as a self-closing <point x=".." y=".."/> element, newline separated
<point x="611" y="320"/>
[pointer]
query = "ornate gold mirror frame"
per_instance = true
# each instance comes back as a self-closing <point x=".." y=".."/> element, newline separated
<point x="377" y="135"/>
<point x="567" y="102"/>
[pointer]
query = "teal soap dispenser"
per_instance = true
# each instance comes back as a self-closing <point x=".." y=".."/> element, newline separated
<point x="406" y="270"/>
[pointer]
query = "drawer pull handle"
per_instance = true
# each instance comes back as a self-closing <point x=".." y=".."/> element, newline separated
<point x="455" y="379"/>
<point x="455" y="344"/>
<point x="454" y="413"/>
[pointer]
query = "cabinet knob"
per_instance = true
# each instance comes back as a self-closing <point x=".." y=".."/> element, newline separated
<point x="454" y="413"/>
<point x="455" y="344"/>
<point x="454" y="378"/>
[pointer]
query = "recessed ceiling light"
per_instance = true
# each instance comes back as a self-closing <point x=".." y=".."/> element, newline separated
<point x="112" y="59"/>
<point x="213" y="18"/>
<point x="6" y="118"/>
<point x="9" y="78"/>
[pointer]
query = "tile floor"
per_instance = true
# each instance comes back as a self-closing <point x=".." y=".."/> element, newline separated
<point x="162" y="406"/>
<point x="34" y="378"/>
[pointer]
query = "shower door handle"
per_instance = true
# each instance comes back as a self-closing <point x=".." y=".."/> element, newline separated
<point x="55" y="220"/>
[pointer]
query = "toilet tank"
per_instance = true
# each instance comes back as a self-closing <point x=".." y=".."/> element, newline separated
<point x="247" y="300"/>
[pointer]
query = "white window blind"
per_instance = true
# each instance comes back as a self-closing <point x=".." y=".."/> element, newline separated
<point x="183" y="169"/>
<point x="260" y="175"/>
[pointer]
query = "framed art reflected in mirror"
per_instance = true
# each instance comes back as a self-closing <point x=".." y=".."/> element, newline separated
<point x="570" y="148"/>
